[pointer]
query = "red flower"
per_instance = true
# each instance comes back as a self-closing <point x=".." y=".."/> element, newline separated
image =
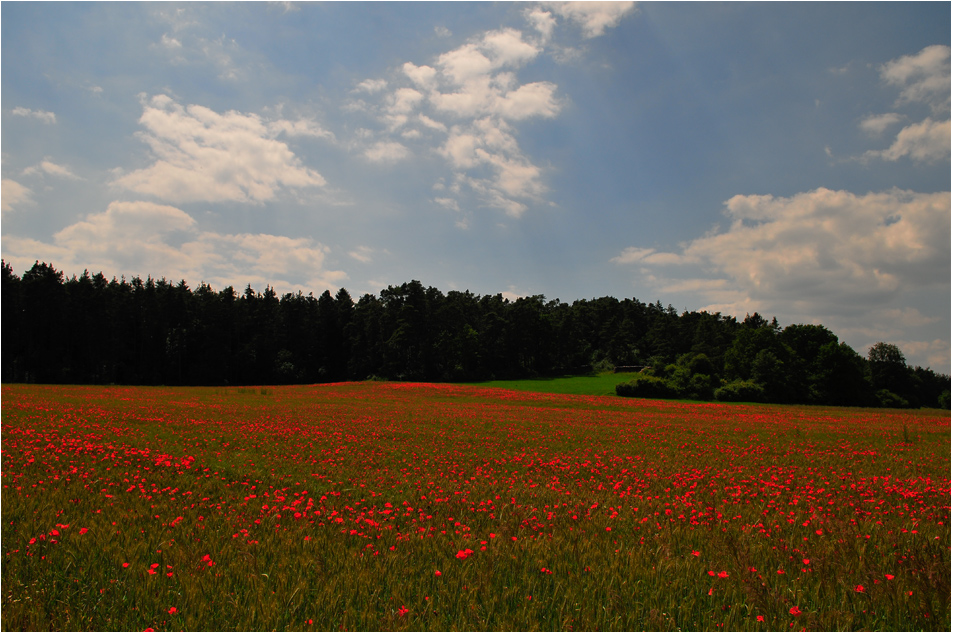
<point x="172" y="610"/>
<point x="125" y="565"/>
<point x="83" y="531"/>
<point x="402" y="611"/>
<point x="795" y="611"/>
<point x="696" y="553"/>
<point x="859" y="588"/>
<point x="722" y="575"/>
<point x="889" y="577"/>
<point x="437" y="573"/>
<point x="760" y="619"/>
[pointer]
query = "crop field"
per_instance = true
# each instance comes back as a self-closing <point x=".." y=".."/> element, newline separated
<point x="389" y="506"/>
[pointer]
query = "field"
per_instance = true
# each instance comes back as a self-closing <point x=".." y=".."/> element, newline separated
<point x="602" y="384"/>
<point x="388" y="506"/>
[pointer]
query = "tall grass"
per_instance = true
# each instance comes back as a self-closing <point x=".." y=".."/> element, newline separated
<point x="334" y="508"/>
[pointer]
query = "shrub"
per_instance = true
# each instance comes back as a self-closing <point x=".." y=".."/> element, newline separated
<point x="945" y="400"/>
<point x="886" y="398"/>
<point x="645" y="386"/>
<point x="737" y="391"/>
<point x="700" y="388"/>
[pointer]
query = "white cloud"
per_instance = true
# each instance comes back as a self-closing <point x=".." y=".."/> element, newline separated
<point x="925" y="141"/>
<point x="371" y="85"/>
<point x="472" y="95"/>
<point x="301" y="127"/>
<point x="48" y="167"/>
<point x="386" y="152"/>
<point x="202" y="155"/>
<point x="542" y="21"/>
<point x="13" y="194"/>
<point x="923" y="78"/>
<point x="362" y="254"/>
<point x="819" y="253"/>
<point x="936" y="352"/>
<point x="423" y="76"/>
<point x="877" y="124"/>
<point x="448" y="203"/>
<point x="636" y="255"/>
<point x="42" y="115"/>
<point x="144" y="238"/>
<point x="593" y="17"/>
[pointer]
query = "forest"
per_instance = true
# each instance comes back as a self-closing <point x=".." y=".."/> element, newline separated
<point x="91" y="330"/>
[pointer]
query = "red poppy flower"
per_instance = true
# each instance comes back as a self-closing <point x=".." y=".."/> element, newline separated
<point x="889" y="577"/>
<point x="795" y="611"/>
<point x="172" y="610"/>
<point x="760" y="619"/>
<point x="858" y="588"/>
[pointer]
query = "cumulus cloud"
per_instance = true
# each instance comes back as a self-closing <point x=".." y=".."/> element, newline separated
<point x="50" y="168"/>
<point x="472" y="96"/>
<point x="877" y="124"/>
<point x="371" y="85"/>
<point x="201" y="155"/>
<point x="542" y="21"/>
<point x="464" y="106"/>
<point x="818" y="253"/>
<point x="42" y="115"/>
<point x="13" y="194"/>
<point x="923" y="78"/>
<point x="925" y="141"/>
<point x="386" y="152"/>
<point x="363" y="254"/>
<point x="593" y="17"/>
<point x="146" y="238"/>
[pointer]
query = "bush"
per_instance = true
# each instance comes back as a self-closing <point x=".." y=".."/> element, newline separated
<point x="738" y="391"/>
<point x="645" y="386"/>
<point x="945" y="400"/>
<point x="886" y="398"/>
<point x="700" y="388"/>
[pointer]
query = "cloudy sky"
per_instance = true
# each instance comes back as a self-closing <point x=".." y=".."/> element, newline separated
<point x="791" y="159"/>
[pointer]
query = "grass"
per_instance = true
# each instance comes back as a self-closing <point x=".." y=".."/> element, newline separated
<point x="334" y="507"/>
<point x="602" y="384"/>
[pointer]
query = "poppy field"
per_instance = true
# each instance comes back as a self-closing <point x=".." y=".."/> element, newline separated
<point x="394" y="506"/>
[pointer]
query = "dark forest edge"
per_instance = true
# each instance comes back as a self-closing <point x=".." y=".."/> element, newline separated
<point x="90" y="330"/>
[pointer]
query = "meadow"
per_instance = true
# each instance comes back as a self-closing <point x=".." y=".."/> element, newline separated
<point x="392" y="506"/>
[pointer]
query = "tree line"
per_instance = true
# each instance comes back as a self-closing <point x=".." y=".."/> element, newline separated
<point x="91" y="330"/>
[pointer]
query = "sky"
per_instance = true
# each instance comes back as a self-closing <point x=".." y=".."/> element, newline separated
<point x="787" y="158"/>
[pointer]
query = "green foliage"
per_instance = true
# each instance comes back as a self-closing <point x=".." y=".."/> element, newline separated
<point x="646" y="386"/>
<point x="163" y="333"/>
<point x="740" y="392"/>
<point x="886" y="398"/>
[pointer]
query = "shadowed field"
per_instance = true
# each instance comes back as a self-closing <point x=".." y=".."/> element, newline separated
<point x="389" y="506"/>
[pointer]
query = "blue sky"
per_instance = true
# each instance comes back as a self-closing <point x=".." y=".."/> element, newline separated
<point x="790" y="159"/>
